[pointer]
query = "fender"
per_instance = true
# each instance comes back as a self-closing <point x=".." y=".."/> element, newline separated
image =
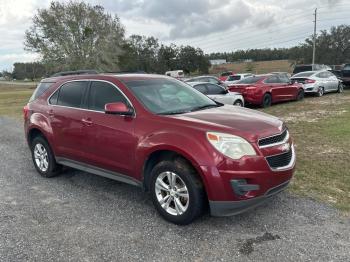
<point x="196" y="154"/>
<point x="42" y="123"/>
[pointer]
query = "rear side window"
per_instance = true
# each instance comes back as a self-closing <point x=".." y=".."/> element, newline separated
<point x="102" y="93"/>
<point x="71" y="94"/>
<point x="42" y="87"/>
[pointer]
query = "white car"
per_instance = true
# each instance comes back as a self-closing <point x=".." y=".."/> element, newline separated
<point x="218" y="93"/>
<point x="318" y="82"/>
<point x="232" y="79"/>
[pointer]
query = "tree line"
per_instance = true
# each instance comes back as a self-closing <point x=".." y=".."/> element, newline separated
<point x="77" y="35"/>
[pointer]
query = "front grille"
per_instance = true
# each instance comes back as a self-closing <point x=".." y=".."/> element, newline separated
<point x="273" y="139"/>
<point x="280" y="161"/>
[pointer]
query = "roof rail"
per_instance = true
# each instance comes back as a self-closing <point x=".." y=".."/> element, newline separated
<point x="78" y="72"/>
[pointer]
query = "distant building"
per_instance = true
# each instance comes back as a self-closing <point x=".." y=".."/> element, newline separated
<point x="217" y="61"/>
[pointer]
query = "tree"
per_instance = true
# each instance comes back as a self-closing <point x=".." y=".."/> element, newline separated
<point x="76" y="35"/>
<point x="31" y="71"/>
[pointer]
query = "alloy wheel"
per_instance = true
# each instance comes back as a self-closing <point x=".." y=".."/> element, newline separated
<point x="172" y="193"/>
<point x="41" y="157"/>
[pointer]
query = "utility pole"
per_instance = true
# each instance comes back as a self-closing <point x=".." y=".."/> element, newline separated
<point x="314" y="40"/>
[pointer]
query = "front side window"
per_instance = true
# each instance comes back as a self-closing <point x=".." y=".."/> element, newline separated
<point x="71" y="94"/>
<point x="201" y="88"/>
<point x="168" y="96"/>
<point x="102" y="93"/>
<point x="215" y="89"/>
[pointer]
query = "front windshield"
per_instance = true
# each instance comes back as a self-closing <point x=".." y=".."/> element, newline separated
<point x="168" y="96"/>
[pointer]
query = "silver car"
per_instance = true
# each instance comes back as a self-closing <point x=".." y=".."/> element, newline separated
<point x="318" y="82"/>
<point x="232" y="79"/>
<point x="218" y="93"/>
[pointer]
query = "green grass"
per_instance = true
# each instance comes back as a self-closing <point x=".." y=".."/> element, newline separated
<point x="321" y="131"/>
<point x="13" y="98"/>
<point x="320" y="128"/>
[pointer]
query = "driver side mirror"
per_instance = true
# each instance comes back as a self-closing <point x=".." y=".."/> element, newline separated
<point x="118" y="108"/>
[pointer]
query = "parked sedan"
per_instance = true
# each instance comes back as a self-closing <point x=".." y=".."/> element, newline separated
<point x="206" y="79"/>
<point x="218" y="93"/>
<point x="318" y="82"/>
<point x="265" y="90"/>
<point x="235" y="78"/>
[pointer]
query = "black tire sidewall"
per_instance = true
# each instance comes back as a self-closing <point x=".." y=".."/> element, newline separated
<point x="194" y="189"/>
<point x="264" y="105"/>
<point x="238" y="103"/>
<point x="52" y="169"/>
<point x="300" y="95"/>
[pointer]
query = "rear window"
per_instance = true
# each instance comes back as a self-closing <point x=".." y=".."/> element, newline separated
<point x="226" y="73"/>
<point x="233" y="78"/>
<point x="304" y="74"/>
<point x="299" y="69"/>
<point x="251" y="79"/>
<point x="41" y="88"/>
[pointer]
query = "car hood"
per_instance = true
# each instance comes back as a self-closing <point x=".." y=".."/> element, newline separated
<point x="247" y="123"/>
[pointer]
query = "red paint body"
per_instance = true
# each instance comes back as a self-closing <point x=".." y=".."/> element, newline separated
<point x="254" y="93"/>
<point x="124" y="143"/>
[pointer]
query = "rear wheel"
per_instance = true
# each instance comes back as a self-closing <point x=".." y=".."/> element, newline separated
<point x="300" y="95"/>
<point x="177" y="194"/>
<point x="238" y="103"/>
<point x="43" y="158"/>
<point x="320" y="91"/>
<point x="267" y="100"/>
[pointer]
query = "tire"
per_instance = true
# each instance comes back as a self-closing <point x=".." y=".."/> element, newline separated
<point x="175" y="205"/>
<point x="320" y="91"/>
<point x="340" y="87"/>
<point x="267" y="101"/>
<point x="238" y="103"/>
<point x="43" y="158"/>
<point x="300" y="95"/>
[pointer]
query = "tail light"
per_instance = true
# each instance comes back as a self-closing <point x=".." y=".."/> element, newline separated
<point x="309" y="81"/>
<point x="25" y="111"/>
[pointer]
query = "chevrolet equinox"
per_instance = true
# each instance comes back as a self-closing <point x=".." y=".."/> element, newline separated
<point x="162" y="135"/>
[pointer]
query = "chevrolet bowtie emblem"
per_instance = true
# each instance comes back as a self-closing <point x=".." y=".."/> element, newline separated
<point x="285" y="147"/>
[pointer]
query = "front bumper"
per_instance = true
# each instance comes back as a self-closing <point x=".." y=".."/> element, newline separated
<point x="230" y="208"/>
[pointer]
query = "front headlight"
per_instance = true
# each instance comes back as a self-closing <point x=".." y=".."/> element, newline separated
<point x="232" y="146"/>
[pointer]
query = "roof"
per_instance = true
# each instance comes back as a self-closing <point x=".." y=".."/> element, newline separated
<point x="121" y="77"/>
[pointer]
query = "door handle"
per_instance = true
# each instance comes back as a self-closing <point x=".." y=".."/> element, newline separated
<point x="87" y="121"/>
<point x="50" y="112"/>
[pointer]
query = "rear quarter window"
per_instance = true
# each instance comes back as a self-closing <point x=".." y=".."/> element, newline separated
<point x="41" y="89"/>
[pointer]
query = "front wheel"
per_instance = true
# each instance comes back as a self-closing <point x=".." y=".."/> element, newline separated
<point x="177" y="194"/>
<point x="340" y="87"/>
<point x="238" y="103"/>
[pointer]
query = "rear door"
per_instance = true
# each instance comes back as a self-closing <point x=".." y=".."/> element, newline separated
<point x="109" y="138"/>
<point x="66" y="116"/>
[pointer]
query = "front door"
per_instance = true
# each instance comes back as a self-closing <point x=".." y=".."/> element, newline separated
<point x="110" y="138"/>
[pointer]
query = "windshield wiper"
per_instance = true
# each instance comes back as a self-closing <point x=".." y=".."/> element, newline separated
<point x="175" y="112"/>
<point x="203" y="107"/>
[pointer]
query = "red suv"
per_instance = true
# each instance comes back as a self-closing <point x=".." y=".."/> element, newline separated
<point x="162" y="135"/>
<point x="263" y="90"/>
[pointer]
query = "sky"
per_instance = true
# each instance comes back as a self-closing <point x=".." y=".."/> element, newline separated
<point x="213" y="25"/>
